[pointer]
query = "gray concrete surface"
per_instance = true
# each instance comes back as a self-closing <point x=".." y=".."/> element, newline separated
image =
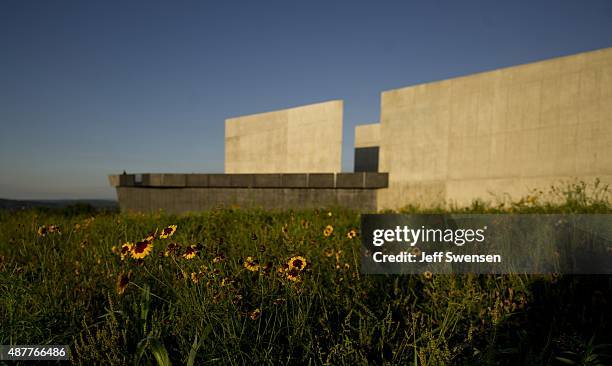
<point x="290" y="180"/>
<point x="196" y="192"/>
<point x="185" y="199"/>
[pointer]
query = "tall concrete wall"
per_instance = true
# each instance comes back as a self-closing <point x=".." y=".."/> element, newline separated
<point x="367" y="135"/>
<point x="500" y="132"/>
<point x="304" y="139"/>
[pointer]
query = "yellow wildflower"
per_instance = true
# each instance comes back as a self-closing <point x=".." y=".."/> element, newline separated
<point x="168" y="232"/>
<point x="328" y="230"/>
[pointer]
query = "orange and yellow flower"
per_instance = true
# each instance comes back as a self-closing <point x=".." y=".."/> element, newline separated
<point x="298" y="262"/>
<point x="126" y="249"/>
<point x="293" y="275"/>
<point x="328" y="230"/>
<point x="142" y="249"/>
<point x="351" y="234"/>
<point x="251" y="264"/>
<point x="168" y="232"/>
<point x="192" y="251"/>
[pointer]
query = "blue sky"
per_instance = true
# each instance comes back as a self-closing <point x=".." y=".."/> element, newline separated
<point x="92" y="88"/>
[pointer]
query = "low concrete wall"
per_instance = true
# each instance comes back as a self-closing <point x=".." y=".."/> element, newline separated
<point x="177" y="193"/>
<point x="180" y="200"/>
<point x="363" y="180"/>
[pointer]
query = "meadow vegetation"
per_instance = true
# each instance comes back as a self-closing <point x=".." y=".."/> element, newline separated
<point x="236" y="286"/>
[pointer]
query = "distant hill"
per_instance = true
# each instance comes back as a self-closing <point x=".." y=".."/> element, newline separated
<point x="12" y="205"/>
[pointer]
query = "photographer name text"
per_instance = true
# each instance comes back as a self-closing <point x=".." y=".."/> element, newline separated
<point x="435" y="257"/>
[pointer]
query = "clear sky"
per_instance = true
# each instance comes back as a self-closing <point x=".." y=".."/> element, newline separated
<point x="91" y="88"/>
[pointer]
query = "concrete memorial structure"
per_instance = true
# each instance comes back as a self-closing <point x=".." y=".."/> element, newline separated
<point x="498" y="132"/>
<point x="305" y="139"/>
<point x="452" y="141"/>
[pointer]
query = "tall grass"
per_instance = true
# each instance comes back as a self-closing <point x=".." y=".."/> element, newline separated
<point x="222" y="307"/>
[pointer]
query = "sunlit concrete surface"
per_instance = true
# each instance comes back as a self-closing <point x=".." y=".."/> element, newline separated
<point x="304" y="139"/>
<point x="367" y="135"/>
<point x="498" y="132"/>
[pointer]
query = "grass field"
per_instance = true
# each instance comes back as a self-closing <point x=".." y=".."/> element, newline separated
<point x="234" y="286"/>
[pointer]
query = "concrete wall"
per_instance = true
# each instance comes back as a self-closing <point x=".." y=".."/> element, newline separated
<point x="364" y="180"/>
<point x="500" y="132"/>
<point x="296" y="140"/>
<point x="367" y="135"/>
<point x="178" y="193"/>
<point x="185" y="199"/>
